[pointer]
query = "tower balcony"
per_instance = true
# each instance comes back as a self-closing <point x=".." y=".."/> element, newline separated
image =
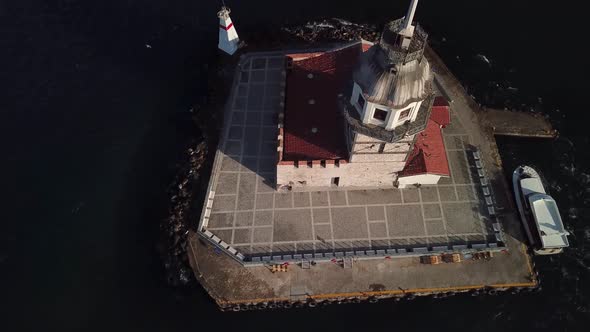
<point x="396" y="54"/>
<point x="354" y="121"/>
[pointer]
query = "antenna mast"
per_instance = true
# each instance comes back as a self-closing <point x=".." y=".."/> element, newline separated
<point x="410" y="14"/>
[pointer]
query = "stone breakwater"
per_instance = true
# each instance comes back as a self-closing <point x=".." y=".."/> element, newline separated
<point x="331" y="30"/>
<point x="175" y="227"/>
<point x="186" y="192"/>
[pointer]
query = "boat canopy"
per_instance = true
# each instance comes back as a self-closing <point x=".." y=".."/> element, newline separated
<point x="531" y="186"/>
<point x="550" y="226"/>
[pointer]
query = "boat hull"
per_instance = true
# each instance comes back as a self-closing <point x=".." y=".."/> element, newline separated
<point x="527" y="220"/>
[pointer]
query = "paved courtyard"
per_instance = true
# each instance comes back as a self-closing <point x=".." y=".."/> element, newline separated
<point x="248" y="214"/>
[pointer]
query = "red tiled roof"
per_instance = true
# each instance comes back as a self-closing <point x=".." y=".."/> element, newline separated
<point x="440" y="101"/>
<point x="440" y="111"/>
<point x="429" y="155"/>
<point x="331" y="71"/>
<point x="303" y="56"/>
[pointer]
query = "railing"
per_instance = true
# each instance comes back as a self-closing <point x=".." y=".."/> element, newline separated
<point x="409" y="128"/>
<point x="398" y="55"/>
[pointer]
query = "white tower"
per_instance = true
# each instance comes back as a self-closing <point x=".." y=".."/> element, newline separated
<point x="228" y="36"/>
<point x="391" y="98"/>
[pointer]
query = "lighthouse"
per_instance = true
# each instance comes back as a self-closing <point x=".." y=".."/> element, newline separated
<point x="228" y="36"/>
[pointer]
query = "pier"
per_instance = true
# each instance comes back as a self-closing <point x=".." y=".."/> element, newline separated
<point x="520" y="124"/>
<point x="499" y="122"/>
<point x="328" y="238"/>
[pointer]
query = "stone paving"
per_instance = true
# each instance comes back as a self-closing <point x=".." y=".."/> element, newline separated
<point x="253" y="218"/>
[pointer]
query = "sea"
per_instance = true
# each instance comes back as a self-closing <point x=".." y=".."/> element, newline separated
<point x="96" y="111"/>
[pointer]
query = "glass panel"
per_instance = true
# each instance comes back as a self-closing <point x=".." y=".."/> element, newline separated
<point x="380" y="114"/>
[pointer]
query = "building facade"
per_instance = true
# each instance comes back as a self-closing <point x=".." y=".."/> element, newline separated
<point x="353" y="115"/>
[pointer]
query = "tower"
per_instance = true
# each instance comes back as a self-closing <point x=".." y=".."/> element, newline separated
<point x="391" y="99"/>
<point x="228" y="36"/>
<point x="388" y="136"/>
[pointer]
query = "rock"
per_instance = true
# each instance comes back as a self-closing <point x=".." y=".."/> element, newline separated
<point x="175" y="227"/>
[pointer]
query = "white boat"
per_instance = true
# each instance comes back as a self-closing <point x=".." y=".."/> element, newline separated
<point x="538" y="212"/>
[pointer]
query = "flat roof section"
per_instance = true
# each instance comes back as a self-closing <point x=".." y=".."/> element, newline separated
<point x="440" y="111"/>
<point x="314" y="128"/>
<point x="546" y="213"/>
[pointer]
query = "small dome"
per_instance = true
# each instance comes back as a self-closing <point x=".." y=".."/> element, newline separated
<point x="392" y="73"/>
<point x="392" y="85"/>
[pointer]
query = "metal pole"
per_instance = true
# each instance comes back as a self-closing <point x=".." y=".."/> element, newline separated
<point x="410" y="14"/>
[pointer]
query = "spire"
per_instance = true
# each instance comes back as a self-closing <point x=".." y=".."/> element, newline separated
<point x="408" y="28"/>
<point x="228" y="36"/>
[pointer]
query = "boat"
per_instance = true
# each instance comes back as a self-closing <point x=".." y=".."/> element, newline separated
<point x="538" y="212"/>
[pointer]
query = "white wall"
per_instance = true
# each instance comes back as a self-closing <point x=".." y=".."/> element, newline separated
<point x="382" y="175"/>
<point x="392" y="120"/>
<point x="356" y="91"/>
<point x="366" y="149"/>
<point x="374" y="147"/>
<point x="228" y="39"/>
<point x="424" y="179"/>
<point x="360" y="138"/>
<point x="379" y="157"/>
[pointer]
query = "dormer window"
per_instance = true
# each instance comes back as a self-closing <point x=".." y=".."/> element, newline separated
<point x="380" y="114"/>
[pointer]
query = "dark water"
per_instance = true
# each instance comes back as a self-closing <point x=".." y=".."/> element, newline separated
<point x="94" y="117"/>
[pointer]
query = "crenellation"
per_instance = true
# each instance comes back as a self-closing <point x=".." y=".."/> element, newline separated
<point x="379" y="175"/>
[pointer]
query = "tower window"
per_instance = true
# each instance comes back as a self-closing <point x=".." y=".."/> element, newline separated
<point x="335" y="181"/>
<point x="361" y="101"/>
<point x="405" y="113"/>
<point x="381" y="147"/>
<point x="380" y="114"/>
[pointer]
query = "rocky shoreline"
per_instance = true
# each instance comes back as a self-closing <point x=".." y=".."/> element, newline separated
<point x="175" y="228"/>
<point x="333" y="29"/>
<point x="186" y="191"/>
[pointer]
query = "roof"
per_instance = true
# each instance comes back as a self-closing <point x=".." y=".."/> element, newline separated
<point x="440" y="101"/>
<point x="313" y="126"/>
<point x="440" y="111"/>
<point x="392" y="86"/>
<point x="531" y="186"/>
<point x="548" y="221"/>
<point x="429" y="155"/>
